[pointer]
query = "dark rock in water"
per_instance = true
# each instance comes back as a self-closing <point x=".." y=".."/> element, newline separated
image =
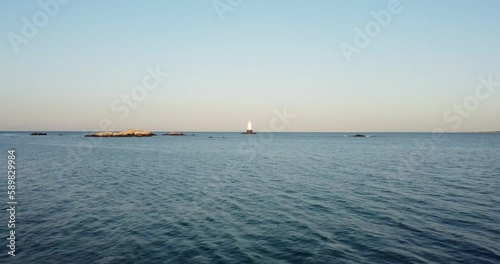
<point x="210" y="137"/>
<point x="38" y="134"/>
<point x="60" y="134"/>
<point x="359" y="135"/>
<point x="128" y="133"/>
<point x="174" y="134"/>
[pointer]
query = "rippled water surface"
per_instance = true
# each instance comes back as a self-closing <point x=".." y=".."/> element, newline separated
<point x="265" y="198"/>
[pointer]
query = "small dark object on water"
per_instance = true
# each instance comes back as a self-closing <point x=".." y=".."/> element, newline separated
<point x="38" y="134"/>
<point x="359" y="135"/>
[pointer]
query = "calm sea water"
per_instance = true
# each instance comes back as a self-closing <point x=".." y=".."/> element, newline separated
<point x="265" y="198"/>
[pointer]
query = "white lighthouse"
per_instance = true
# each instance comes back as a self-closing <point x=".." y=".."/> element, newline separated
<point x="249" y="128"/>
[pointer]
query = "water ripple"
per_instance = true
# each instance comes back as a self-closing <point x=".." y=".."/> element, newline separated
<point x="304" y="198"/>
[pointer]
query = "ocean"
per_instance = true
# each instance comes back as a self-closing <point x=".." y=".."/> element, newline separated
<point x="264" y="198"/>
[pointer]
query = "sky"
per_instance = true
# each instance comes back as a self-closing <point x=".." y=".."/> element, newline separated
<point x="312" y="66"/>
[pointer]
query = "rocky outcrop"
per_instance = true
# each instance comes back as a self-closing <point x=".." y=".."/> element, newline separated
<point x="128" y="133"/>
<point x="38" y="134"/>
<point x="174" y="134"/>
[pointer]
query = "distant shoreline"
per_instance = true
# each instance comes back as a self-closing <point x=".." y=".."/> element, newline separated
<point x="348" y="132"/>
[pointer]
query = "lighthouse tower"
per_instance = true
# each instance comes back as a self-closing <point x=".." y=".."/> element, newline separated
<point x="249" y="128"/>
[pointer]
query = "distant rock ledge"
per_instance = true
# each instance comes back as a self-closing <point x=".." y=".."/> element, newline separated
<point x="489" y="132"/>
<point x="128" y="133"/>
<point x="38" y="134"/>
<point x="174" y="134"/>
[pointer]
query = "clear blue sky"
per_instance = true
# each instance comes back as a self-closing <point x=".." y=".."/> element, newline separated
<point x="262" y="55"/>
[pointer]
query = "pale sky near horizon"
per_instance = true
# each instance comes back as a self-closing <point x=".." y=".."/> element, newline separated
<point x="262" y="57"/>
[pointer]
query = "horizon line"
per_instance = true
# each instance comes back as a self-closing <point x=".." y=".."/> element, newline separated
<point x="187" y="131"/>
